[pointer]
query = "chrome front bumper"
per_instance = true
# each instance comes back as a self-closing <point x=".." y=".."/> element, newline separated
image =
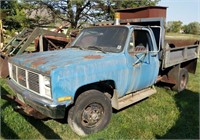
<point x="41" y="104"/>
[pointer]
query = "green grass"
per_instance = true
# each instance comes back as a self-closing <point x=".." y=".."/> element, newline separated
<point x="165" y="115"/>
<point x="182" y="36"/>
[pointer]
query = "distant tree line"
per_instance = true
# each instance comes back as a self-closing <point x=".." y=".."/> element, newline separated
<point x="178" y="27"/>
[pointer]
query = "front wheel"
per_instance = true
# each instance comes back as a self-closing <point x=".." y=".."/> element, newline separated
<point x="91" y="113"/>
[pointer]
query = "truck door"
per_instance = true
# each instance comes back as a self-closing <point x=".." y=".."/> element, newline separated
<point x="143" y="60"/>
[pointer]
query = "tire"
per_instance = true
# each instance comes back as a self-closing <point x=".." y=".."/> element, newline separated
<point x="182" y="80"/>
<point x="69" y="117"/>
<point x="91" y="113"/>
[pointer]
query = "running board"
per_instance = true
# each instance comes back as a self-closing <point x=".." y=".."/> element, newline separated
<point x="131" y="98"/>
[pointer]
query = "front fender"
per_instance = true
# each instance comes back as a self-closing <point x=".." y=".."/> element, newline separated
<point x="67" y="80"/>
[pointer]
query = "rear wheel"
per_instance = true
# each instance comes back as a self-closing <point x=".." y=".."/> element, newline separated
<point x="182" y="80"/>
<point x="91" y="113"/>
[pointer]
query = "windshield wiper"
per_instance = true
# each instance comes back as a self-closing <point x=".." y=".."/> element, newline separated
<point x="97" y="48"/>
<point x="75" y="46"/>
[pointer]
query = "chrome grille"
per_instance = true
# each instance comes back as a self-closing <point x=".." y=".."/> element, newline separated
<point x="21" y="77"/>
<point x="34" y="81"/>
<point x="14" y="72"/>
<point x="25" y="78"/>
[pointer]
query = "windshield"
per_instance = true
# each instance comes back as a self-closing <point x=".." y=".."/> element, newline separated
<point x="105" y="39"/>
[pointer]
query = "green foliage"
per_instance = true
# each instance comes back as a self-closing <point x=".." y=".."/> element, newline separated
<point x="192" y="28"/>
<point x="15" y="18"/>
<point x="174" y="26"/>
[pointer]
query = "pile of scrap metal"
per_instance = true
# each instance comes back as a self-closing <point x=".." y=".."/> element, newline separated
<point x="44" y="40"/>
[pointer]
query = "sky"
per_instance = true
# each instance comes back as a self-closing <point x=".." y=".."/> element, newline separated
<point x="184" y="10"/>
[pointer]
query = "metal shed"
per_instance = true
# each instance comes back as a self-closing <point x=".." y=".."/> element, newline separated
<point x="143" y="12"/>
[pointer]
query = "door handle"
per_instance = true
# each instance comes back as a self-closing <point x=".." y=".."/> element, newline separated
<point x="154" y="55"/>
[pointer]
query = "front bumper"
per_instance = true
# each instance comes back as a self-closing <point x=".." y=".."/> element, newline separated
<point x="41" y="104"/>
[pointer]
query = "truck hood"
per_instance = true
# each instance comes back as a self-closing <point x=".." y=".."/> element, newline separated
<point x="45" y="62"/>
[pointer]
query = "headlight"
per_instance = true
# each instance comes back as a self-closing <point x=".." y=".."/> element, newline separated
<point x="47" y="81"/>
<point x="10" y="70"/>
<point x="47" y="87"/>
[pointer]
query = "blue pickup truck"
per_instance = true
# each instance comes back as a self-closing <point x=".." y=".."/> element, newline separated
<point x="106" y="67"/>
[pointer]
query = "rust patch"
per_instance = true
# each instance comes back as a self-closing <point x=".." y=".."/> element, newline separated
<point x="58" y="38"/>
<point x="38" y="59"/>
<point x="38" y="62"/>
<point x="53" y="67"/>
<point x="93" y="57"/>
<point x="49" y="71"/>
<point x="166" y="79"/>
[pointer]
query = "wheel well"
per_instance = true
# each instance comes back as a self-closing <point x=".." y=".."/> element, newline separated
<point x="106" y="87"/>
<point x="170" y="75"/>
<point x="190" y="65"/>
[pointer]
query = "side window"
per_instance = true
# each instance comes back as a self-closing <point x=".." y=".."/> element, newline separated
<point x="140" y="42"/>
<point x="143" y="41"/>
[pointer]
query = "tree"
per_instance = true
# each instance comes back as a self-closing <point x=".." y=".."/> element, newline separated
<point x="68" y="10"/>
<point x="192" y="28"/>
<point x="77" y="12"/>
<point x="174" y="26"/>
<point x="15" y="16"/>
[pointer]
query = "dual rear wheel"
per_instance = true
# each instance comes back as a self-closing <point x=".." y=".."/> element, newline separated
<point x="182" y="80"/>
